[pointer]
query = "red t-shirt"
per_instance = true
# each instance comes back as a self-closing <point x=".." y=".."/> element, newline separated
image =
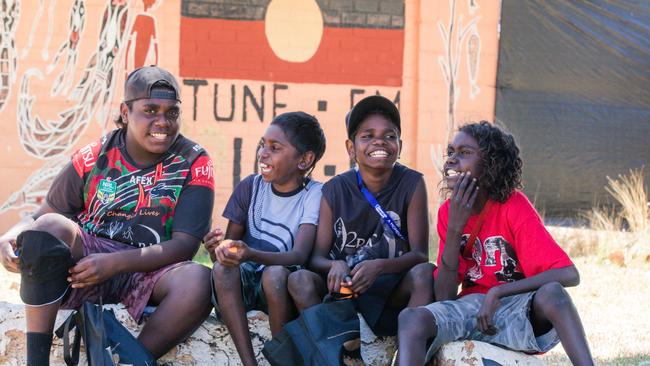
<point x="511" y="245"/>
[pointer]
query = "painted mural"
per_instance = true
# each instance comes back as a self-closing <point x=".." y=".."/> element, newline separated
<point x="240" y="63"/>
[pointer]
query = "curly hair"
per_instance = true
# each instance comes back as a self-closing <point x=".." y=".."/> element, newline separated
<point x="500" y="161"/>
<point x="304" y="133"/>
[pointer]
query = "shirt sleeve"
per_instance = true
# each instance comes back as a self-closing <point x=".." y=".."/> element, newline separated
<point x="237" y="207"/>
<point x="536" y="248"/>
<point x="312" y="205"/>
<point x="66" y="192"/>
<point x="193" y="212"/>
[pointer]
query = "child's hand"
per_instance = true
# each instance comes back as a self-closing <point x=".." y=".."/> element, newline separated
<point x="91" y="270"/>
<point x="337" y="276"/>
<point x="211" y="241"/>
<point x="8" y="255"/>
<point x="231" y="253"/>
<point x="364" y="275"/>
<point x="461" y="202"/>
<point x="485" y="315"/>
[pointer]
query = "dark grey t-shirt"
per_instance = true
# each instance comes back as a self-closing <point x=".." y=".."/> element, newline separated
<point x="357" y="225"/>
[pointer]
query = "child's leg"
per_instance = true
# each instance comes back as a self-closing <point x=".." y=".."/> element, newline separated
<point x="552" y="307"/>
<point x="227" y="283"/>
<point x="40" y="320"/>
<point x="280" y="306"/>
<point x="416" y="327"/>
<point x="306" y="288"/>
<point x="182" y="288"/>
<point x="415" y="289"/>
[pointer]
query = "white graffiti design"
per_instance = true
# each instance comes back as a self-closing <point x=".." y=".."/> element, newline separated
<point x="93" y="94"/>
<point x="69" y="48"/>
<point x="9" y="15"/>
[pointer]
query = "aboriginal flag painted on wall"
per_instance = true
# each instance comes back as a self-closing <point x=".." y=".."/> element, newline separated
<point x="362" y="42"/>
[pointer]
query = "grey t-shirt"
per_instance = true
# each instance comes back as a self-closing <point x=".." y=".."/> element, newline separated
<point x="272" y="218"/>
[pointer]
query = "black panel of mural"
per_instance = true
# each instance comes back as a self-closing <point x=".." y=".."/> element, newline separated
<point x="572" y="86"/>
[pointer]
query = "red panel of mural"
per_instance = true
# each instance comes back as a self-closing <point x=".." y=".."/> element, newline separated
<point x="240" y="43"/>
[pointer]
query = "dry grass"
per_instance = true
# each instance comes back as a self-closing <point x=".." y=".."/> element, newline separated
<point x="623" y="231"/>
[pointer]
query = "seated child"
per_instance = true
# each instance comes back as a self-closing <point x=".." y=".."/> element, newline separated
<point x="272" y="218"/>
<point x="383" y="262"/>
<point x="493" y="242"/>
<point x="130" y="209"/>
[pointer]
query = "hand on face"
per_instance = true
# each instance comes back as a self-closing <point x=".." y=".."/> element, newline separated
<point x="461" y="202"/>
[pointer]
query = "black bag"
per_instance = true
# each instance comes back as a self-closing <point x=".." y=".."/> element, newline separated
<point x="280" y="351"/>
<point x="104" y="336"/>
<point x="316" y="338"/>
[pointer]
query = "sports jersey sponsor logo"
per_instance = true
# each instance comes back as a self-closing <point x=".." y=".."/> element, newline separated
<point x="87" y="155"/>
<point x="204" y="171"/>
<point x="162" y="191"/>
<point x="106" y="190"/>
<point x="142" y="179"/>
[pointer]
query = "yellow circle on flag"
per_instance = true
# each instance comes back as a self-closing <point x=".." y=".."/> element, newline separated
<point x="294" y="28"/>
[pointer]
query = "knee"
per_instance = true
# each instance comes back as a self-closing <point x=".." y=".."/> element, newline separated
<point x="416" y="323"/>
<point x="551" y="296"/>
<point x="57" y="225"/>
<point x="274" y="280"/>
<point x="193" y="278"/>
<point x="300" y="284"/>
<point x="421" y="277"/>
<point x="225" y="278"/>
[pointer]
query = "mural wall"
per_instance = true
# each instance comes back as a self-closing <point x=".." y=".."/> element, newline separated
<point x="240" y="63"/>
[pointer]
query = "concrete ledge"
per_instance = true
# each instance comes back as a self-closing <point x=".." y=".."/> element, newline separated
<point x="211" y="344"/>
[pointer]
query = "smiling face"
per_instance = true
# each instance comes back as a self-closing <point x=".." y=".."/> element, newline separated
<point x="463" y="155"/>
<point x="279" y="162"/>
<point x="152" y="126"/>
<point x="376" y="143"/>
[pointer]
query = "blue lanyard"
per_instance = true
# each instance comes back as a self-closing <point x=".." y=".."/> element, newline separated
<point x="380" y="210"/>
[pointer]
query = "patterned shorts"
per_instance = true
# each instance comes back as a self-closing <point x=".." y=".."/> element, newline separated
<point x="250" y="275"/>
<point x="131" y="289"/>
<point x="456" y="320"/>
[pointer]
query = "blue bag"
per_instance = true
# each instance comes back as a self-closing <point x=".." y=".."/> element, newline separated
<point x="103" y="336"/>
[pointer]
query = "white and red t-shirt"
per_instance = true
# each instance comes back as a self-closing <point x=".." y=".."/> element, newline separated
<point x="511" y="245"/>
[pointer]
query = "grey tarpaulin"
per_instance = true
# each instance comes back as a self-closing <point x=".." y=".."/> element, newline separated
<point x="573" y="86"/>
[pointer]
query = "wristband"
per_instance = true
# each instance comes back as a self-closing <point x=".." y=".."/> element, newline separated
<point x="446" y="266"/>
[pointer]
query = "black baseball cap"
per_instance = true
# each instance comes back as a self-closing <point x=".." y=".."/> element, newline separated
<point x="370" y="104"/>
<point x="150" y="82"/>
<point x="44" y="264"/>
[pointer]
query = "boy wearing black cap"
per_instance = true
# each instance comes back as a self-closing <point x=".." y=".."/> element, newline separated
<point x="373" y="228"/>
<point x="120" y="223"/>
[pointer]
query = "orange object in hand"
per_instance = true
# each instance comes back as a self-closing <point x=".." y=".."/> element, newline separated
<point x="345" y="290"/>
<point x="232" y="249"/>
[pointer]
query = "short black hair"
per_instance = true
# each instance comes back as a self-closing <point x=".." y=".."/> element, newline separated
<point x="304" y="133"/>
<point x="500" y="160"/>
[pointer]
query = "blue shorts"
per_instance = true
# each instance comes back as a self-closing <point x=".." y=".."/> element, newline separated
<point x="456" y="320"/>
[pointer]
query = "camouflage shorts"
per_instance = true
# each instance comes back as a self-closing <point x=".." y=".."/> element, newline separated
<point x="456" y="320"/>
